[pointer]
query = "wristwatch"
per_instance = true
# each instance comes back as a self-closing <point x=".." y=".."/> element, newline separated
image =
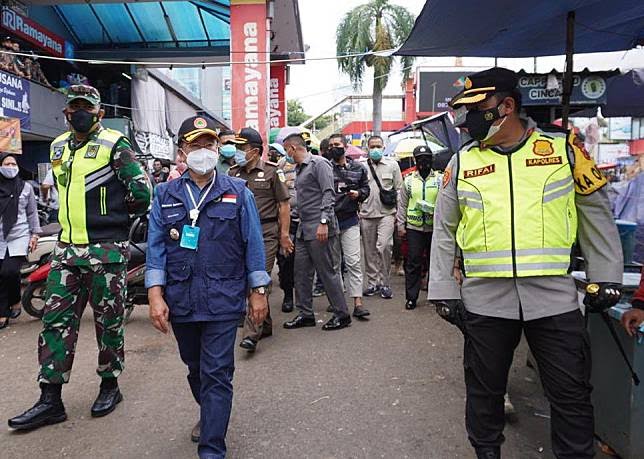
<point x="323" y="221"/>
<point x="259" y="290"/>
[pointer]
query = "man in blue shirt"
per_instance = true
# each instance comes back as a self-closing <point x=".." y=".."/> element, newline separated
<point x="205" y="259"/>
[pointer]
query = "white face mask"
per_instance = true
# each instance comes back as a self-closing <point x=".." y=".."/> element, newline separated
<point x="202" y="161"/>
<point x="9" y="171"/>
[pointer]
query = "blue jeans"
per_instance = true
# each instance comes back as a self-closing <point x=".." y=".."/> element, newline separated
<point x="207" y="348"/>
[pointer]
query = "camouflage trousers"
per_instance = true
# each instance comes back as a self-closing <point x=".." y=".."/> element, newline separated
<point x="96" y="273"/>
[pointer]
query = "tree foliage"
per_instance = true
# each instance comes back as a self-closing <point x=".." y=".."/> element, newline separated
<point x="375" y="26"/>
<point x="295" y="113"/>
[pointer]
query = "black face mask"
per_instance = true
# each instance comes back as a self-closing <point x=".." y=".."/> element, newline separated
<point x="424" y="166"/>
<point x="273" y="156"/>
<point x="82" y="121"/>
<point x="479" y="123"/>
<point x="336" y="152"/>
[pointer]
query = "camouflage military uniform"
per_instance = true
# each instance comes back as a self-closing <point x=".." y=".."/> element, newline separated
<point x="96" y="272"/>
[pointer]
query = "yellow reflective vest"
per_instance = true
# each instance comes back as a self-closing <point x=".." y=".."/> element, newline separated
<point x="91" y="198"/>
<point x="518" y="210"/>
<point x="419" y="189"/>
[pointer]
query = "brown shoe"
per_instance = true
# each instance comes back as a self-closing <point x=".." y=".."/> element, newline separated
<point x="196" y="432"/>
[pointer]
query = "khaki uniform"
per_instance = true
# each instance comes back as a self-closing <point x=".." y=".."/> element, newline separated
<point x="268" y="185"/>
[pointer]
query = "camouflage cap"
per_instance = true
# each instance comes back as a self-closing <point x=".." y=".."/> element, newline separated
<point x="86" y="92"/>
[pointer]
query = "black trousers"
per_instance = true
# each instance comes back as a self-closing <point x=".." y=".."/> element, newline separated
<point x="9" y="282"/>
<point x="561" y="348"/>
<point x="419" y="244"/>
<point x="286" y="265"/>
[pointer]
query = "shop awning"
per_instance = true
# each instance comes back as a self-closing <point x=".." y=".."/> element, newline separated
<point x="175" y="27"/>
<point x="510" y="28"/>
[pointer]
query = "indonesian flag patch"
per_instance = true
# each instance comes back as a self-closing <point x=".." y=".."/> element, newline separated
<point x="231" y="198"/>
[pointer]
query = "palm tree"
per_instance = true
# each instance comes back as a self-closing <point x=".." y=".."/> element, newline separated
<point x="375" y="26"/>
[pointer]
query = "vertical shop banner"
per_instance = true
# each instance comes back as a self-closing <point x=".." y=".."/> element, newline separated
<point x="277" y="96"/>
<point x="14" y="99"/>
<point x="250" y="73"/>
<point x="10" y="139"/>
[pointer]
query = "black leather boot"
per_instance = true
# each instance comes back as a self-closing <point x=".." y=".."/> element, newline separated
<point x="108" y="397"/>
<point x="48" y="409"/>
<point x="488" y="453"/>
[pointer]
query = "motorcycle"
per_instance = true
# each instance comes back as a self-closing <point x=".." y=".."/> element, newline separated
<point x="35" y="292"/>
<point x="46" y="243"/>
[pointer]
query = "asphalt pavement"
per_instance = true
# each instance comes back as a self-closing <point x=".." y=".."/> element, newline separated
<point x="389" y="387"/>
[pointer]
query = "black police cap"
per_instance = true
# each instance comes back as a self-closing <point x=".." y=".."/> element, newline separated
<point x="481" y="85"/>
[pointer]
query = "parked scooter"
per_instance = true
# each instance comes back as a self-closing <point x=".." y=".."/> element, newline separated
<point x="45" y="247"/>
<point x="34" y="294"/>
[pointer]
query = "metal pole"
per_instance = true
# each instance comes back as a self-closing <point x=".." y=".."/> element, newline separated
<point x="567" y="80"/>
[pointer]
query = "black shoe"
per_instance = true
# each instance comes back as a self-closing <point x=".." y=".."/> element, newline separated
<point x="287" y="305"/>
<point x="410" y="304"/>
<point x="337" y="322"/>
<point x="317" y="292"/>
<point x="300" y="321"/>
<point x="195" y="435"/>
<point x="249" y="344"/>
<point x="106" y="401"/>
<point x="48" y="409"/>
<point x="488" y="453"/>
<point x="330" y="308"/>
<point x="15" y="313"/>
<point x="360" y="312"/>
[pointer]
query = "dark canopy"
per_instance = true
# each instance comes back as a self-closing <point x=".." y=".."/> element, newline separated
<point x="511" y="28"/>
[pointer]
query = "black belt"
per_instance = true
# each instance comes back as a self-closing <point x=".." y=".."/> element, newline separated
<point x="268" y="220"/>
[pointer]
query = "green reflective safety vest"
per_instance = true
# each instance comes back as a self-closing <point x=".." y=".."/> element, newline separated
<point x="425" y="190"/>
<point x="518" y="210"/>
<point x="91" y="198"/>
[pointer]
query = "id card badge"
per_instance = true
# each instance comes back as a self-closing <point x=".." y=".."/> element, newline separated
<point x="189" y="237"/>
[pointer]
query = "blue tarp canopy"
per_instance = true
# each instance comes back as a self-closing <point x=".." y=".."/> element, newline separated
<point x="511" y="28"/>
<point x="167" y="24"/>
<point x="625" y="95"/>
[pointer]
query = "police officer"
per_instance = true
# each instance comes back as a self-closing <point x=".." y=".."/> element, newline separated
<point x="267" y="183"/>
<point x="513" y="201"/>
<point x="101" y="185"/>
<point x="205" y="257"/>
<point x="286" y="262"/>
<point x="315" y="237"/>
<point x="415" y="219"/>
<point x="226" y="151"/>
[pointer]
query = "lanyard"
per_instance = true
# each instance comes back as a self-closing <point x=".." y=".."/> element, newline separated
<point x="194" y="213"/>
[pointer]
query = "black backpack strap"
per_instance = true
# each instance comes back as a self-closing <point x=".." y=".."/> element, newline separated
<point x="375" y="176"/>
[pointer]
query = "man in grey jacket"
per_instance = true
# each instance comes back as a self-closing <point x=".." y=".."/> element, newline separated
<point x="315" y="237"/>
<point x="512" y="203"/>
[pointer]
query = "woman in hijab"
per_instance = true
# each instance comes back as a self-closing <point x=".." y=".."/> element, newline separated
<point x="19" y="228"/>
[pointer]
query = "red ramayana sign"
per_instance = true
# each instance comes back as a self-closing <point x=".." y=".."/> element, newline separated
<point x="277" y="101"/>
<point x="250" y="73"/>
<point x="32" y="32"/>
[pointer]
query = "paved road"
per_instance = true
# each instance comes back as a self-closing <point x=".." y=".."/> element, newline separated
<point x="391" y="387"/>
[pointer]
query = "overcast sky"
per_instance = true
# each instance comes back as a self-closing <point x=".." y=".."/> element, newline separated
<point x="319" y="84"/>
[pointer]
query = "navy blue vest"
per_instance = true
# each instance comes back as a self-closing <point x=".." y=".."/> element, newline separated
<point x="208" y="283"/>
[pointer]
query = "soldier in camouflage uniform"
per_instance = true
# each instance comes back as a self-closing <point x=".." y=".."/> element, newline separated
<point x="101" y="187"/>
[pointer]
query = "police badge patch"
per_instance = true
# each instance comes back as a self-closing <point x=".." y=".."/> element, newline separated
<point x="58" y="153"/>
<point x="92" y="151"/>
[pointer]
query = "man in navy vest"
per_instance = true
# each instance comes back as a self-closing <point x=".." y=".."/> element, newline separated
<point x="205" y="259"/>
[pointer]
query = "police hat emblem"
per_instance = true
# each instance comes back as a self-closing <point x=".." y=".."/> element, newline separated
<point x="174" y="234"/>
<point x="200" y="123"/>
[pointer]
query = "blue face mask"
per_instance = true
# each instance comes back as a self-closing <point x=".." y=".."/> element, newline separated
<point x="240" y="158"/>
<point x="375" y="154"/>
<point x="227" y="151"/>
